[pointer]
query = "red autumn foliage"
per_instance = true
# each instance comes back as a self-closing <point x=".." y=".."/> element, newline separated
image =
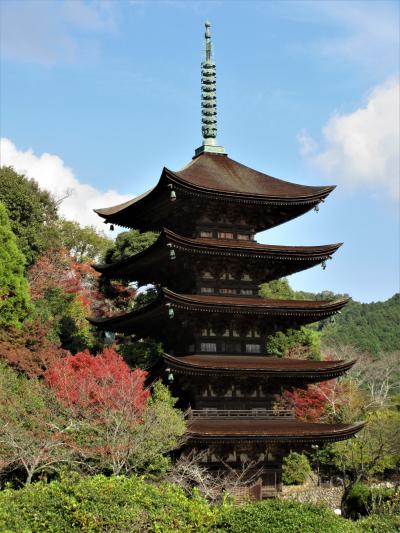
<point x="29" y="350"/>
<point x="58" y="270"/>
<point x="98" y="383"/>
<point x="323" y="401"/>
<point x="309" y="404"/>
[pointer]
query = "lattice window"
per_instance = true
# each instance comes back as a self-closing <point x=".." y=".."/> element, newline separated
<point x="227" y="291"/>
<point x="225" y="235"/>
<point x="243" y="237"/>
<point x="253" y="348"/>
<point x="206" y="234"/>
<point x="207" y="290"/>
<point x="246" y="292"/>
<point x="231" y="347"/>
<point x="208" y="346"/>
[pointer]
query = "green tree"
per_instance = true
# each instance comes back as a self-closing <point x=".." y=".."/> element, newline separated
<point x="14" y="294"/>
<point x="85" y="244"/>
<point x="32" y="213"/>
<point x="35" y="428"/>
<point x="278" y="289"/>
<point x="296" y="469"/>
<point x="369" y="327"/>
<point x="304" y="343"/>
<point x="128" y="243"/>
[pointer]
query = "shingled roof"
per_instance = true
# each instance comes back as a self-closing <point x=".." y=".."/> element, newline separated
<point x="218" y="177"/>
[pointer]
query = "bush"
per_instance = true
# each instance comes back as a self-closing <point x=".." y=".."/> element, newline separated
<point x="363" y="500"/>
<point x="277" y="516"/>
<point x="296" y="469"/>
<point x="379" y="524"/>
<point x="99" y="504"/>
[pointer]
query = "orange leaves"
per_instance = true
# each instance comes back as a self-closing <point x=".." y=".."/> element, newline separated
<point x="98" y="383"/>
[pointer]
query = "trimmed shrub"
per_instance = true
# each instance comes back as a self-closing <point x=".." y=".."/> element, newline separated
<point x="278" y="516"/>
<point x="296" y="469"/>
<point x="97" y="504"/>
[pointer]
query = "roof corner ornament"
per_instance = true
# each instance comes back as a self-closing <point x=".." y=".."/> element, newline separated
<point x="208" y="99"/>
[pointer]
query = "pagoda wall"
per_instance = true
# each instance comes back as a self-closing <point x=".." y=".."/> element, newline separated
<point x="227" y="394"/>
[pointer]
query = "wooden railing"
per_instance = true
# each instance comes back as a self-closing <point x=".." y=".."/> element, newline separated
<point x="239" y="413"/>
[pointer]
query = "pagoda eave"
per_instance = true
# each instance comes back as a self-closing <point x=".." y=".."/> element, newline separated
<point x="151" y="210"/>
<point x="287" y="370"/>
<point x="155" y="262"/>
<point x="268" y="431"/>
<point x="169" y="309"/>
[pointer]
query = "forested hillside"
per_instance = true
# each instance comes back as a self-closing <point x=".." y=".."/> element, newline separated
<point x="373" y="327"/>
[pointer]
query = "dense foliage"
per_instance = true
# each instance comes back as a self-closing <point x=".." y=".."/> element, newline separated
<point x="84" y="244"/>
<point x="14" y="294"/>
<point x="32" y="213"/>
<point x="304" y="343"/>
<point x="296" y="469"/>
<point x="97" y="504"/>
<point x="35" y="428"/>
<point x="128" y="243"/>
<point x="278" y="516"/>
<point x="370" y="327"/>
<point x="363" y="500"/>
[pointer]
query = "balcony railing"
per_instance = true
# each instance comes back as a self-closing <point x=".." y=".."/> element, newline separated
<point x="266" y="414"/>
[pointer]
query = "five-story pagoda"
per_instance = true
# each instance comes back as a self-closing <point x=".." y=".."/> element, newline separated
<point x="208" y="314"/>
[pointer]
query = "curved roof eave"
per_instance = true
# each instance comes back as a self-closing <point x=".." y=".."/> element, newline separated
<point x="270" y="431"/>
<point x="225" y="304"/>
<point x="260" y="364"/>
<point x="316" y="193"/>
<point x="231" y="247"/>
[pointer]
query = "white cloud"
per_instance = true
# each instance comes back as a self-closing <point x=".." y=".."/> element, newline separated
<point x="361" y="149"/>
<point x="52" y="175"/>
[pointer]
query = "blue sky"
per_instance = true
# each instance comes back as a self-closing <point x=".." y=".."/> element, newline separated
<point x="96" y="97"/>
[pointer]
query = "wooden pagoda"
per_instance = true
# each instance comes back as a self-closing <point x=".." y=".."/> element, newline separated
<point x="208" y="314"/>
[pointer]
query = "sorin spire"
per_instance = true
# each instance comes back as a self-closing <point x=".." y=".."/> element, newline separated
<point x="208" y="99"/>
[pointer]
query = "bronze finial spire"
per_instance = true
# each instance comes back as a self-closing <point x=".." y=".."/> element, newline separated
<point x="208" y="99"/>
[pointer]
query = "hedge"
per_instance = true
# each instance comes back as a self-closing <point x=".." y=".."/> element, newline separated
<point x="98" y="503"/>
<point x="277" y="516"/>
<point x="120" y="504"/>
<point x="379" y="524"/>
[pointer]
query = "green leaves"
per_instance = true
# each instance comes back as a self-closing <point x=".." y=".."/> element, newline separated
<point x="14" y="293"/>
<point x="128" y="243"/>
<point x="32" y="213"/>
<point x="296" y="469"/>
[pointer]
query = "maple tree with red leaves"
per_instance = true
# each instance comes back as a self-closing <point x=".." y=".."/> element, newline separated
<point x="29" y="350"/>
<point x="328" y="401"/>
<point x="112" y="404"/>
<point x="58" y="270"/>
<point x="98" y="383"/>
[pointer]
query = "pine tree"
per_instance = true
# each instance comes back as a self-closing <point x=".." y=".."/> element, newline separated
<point x="14" y="292"/>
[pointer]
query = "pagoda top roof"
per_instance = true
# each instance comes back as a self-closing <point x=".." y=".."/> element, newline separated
<point x="253" y="429"/>
<point x="220" y="173"/>
<point x="217" y="365"/>
<point x="219" y="176"/>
